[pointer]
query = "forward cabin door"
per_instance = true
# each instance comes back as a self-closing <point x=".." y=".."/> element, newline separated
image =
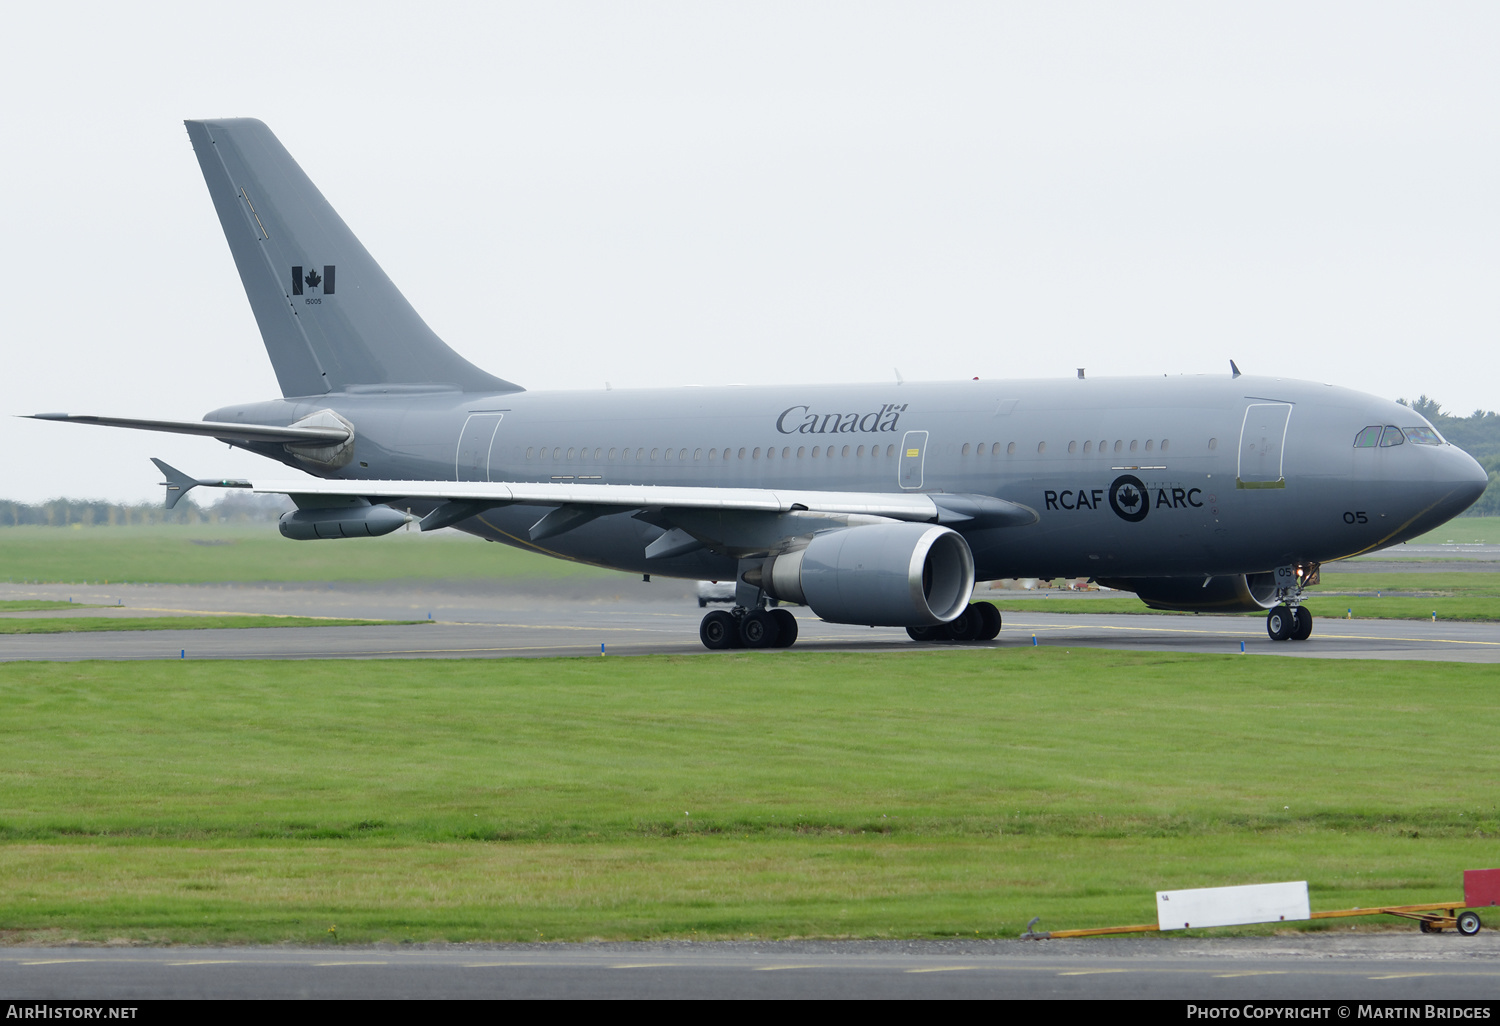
<point x="1263" y="445"/>
<point x="473" y="460"/>
<point x="913" y="453"/>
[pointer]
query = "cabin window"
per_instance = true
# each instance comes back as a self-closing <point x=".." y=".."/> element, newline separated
<point x="1149" y="444"/>
<point x="786" y="452"/>
<point x="1164" y="444"/>
<point x="1392" y="436"/>
<point x="816" y="449"/>
<point x="1423" y="436"/>
<point x="1072" y="447"/>
<point x="755" y="453"/>
<point x="801" y="450"/>
<point x="681" y="455"/>
<point x="640" y="453"/>
<point x="966" y="449"/>
<point x="845" y="451"/>
<point x="654" y="454"/>
<point x="697" y="454"/>
<point x="1134" y="445"/>
<point x="1041" y="447"/>
<point x="669" y="454"/>
<point x="1010" y="450"/>
<point x="1119" y="445"/>
<point x="597" y="454"/>
<point x="1213" y="443"/>
<point x="528" y="454"/>
<point x="1087" y="446"/>
<point x="557" y="453"/>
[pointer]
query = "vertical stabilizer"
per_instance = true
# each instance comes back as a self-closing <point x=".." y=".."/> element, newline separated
<point x="329" y="316"/>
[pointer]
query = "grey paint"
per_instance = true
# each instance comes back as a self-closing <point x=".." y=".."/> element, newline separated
<point x="1128" y="478"/>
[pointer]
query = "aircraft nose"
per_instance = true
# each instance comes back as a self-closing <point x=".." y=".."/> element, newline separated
<point x="1463" y="480"/>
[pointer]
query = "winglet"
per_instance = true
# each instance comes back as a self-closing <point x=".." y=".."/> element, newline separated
<point x="179" y="484"/>
<point x="1234" y="371"/>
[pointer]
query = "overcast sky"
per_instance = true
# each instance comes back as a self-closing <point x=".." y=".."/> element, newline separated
<point x="701" y="193"/>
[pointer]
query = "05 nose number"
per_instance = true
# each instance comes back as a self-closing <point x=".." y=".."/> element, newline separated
<point x="1356" y="518"/>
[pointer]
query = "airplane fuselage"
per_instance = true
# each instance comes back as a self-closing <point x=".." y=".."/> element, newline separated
<point x="1129" y="477"/>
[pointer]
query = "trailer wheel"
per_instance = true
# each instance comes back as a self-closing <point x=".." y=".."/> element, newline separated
<point x="1468" y="923"/>
<point x="1427" y="927"/>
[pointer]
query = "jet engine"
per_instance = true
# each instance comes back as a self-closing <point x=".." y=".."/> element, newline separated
<point x="1238" y="593"/>
<point x="887" y="575"/>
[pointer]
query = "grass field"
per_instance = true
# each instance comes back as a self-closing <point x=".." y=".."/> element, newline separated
<point x="1454" y="595"/>
<point x="786" y="794"/>
<point x="1462" y="531"/>
<point x="73" y="624"/>
<point x="192" y="554"/>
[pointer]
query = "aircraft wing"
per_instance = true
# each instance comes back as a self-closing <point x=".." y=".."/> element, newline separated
<point x="327" y="434"/>
<point x="738" y="519"/>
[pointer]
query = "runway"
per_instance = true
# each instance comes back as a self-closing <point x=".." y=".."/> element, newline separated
<point x="487" y="621"/>
<point x="1407" y="966"/>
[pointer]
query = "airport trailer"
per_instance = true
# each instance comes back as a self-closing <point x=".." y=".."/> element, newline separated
<point x="1271" y="903"/>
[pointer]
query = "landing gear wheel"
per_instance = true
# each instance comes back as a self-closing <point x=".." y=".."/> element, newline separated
<point x="989" y="617"/>
<point x="759" y="629"/>
<point x="1427" y="927"/>
<point x="1279" y="622"/>
<point x="719" y="630"/>
<point x="923" y="634"/>
<point x="786" y="627"/>
<point x="1302" y="629"/>
<point x="966" y="626"/>
<point x="1468" y="923"/>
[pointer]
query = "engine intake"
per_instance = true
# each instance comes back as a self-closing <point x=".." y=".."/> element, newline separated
<point x="1238" y="593"/>
<point x="882" y="575"/>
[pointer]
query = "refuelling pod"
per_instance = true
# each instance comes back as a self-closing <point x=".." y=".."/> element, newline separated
<point x="341" y="522"/>
<point x="1238" y="593"/>
<point x="882" y="575"/>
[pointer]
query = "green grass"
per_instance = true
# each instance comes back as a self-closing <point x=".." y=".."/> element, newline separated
<point x="38" y="605"/>
<point x="1462" y="530"/>
<point x="786" y="794"/>
<point x="71" y="624"/>
<point x="183" y="554"/>
<point x="1454" y="595"/>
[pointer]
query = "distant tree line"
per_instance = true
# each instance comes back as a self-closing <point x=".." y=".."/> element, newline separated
<point x="1478" y="434"/>
<point x="233" y="508"/>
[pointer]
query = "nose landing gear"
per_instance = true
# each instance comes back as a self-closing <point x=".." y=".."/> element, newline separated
<point x="1288" y="620"/>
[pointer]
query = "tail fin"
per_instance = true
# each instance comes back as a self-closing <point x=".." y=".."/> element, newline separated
<point x="330" y="317"/>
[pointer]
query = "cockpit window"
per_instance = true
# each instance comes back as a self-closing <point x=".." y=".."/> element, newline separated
<point x="1369" y="438"/>
<point x="1423" y="436"/>
<point x="1392" y="436"/>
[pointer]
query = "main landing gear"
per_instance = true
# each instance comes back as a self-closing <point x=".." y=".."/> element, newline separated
<point x="1288" y="620"/>
<point x="748" y="628"/>
<point x="979" y="622"/>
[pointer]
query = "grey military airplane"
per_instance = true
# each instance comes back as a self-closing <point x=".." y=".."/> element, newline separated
<point x="871" y="504"/>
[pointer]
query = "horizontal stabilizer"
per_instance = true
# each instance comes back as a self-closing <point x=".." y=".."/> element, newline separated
<point x="210" y="428"/>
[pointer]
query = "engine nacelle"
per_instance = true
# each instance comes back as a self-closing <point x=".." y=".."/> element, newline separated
<point x="885" y="575"/>
<point x="341" y="522"/>
<point x="1239" y="593"/>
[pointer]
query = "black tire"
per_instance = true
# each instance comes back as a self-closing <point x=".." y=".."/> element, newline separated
<point x="719" y="631"/>
<point x="1427" y="927"/>
<point x="1302" y="627"/>
<point x="921" y="633"/>
<point x="759" y="630"/>
<point x="966" y="626"/>
<point x="1468" y="923"/>
<point x="1279" y="623"/>
<point x="786" y="625"/>
<point x="990" y="618"/>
